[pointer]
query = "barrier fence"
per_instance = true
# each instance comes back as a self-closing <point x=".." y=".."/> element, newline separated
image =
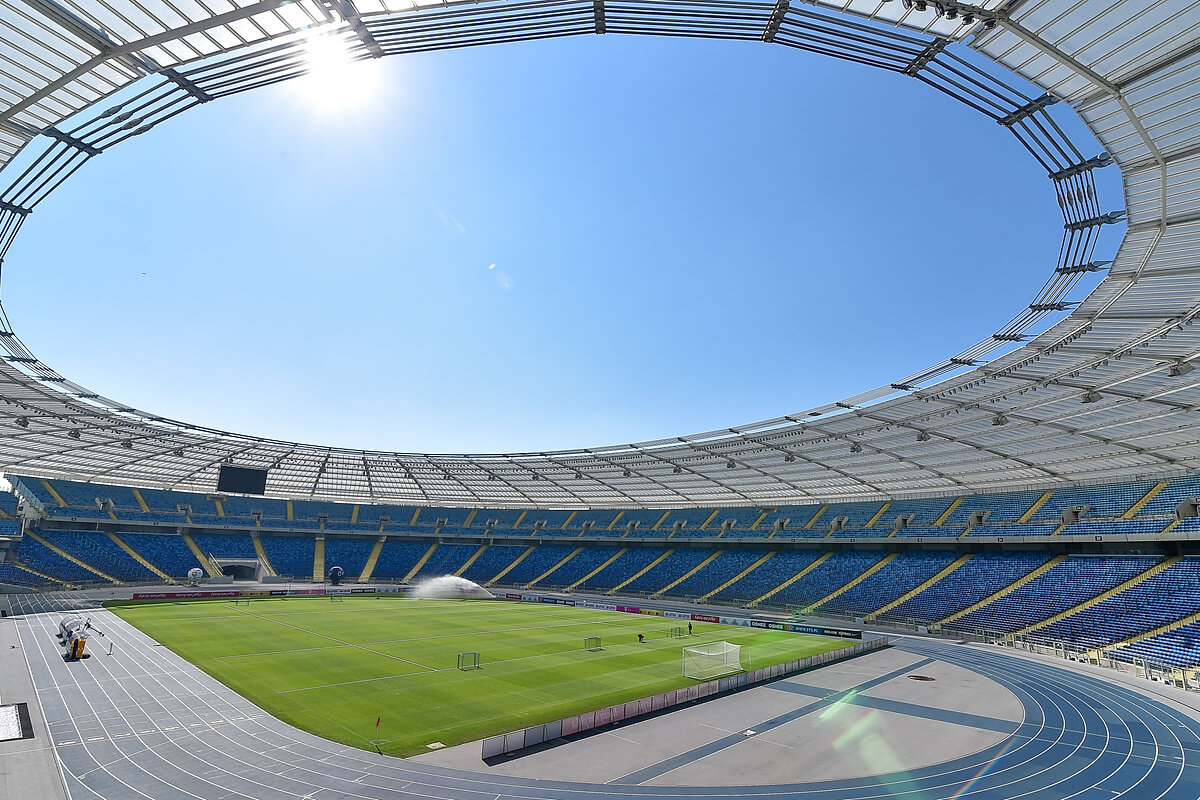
<point x="538" y="734"/>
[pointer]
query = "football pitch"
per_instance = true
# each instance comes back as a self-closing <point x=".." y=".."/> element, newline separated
<point x="334" y="668"/>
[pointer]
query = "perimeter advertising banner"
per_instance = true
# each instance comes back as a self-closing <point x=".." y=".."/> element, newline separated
<point x="181" y="595"/>
<point x="743" y="622"/>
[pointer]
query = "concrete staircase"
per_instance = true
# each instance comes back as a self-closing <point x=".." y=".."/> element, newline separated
<point x="372" y="559"/>
<point x="262" y="554"/>
<point x="318" y="575"/>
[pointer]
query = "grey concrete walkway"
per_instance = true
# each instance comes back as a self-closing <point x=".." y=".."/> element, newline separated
<point x="28" y="767"/>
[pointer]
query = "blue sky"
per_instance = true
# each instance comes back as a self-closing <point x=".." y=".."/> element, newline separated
<point x="554" y="244"/>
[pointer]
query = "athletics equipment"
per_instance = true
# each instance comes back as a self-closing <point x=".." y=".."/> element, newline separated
<point x="591" y="643"/>
<point x="468" y="661"/>
<point x="705" y="661"/>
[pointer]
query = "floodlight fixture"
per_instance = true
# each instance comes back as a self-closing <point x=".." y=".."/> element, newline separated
<point x="178" y="452"/>
<point x="922" y="436"/>
<point x="676" y="469"/>
<point x="73" y="434"/>
<point x="999" y="420"/>
<point x="789" y="458"/>
<point x="1091" y="396"/>
<point x="127" y="444"/>
<point x="626" y="474"/>
<point x="23" y="422"/>
<point x="730" y="465"/>
<point x="1179" y="369"/>
<point x="578" y="476"/>
<point x="856" y="448"/>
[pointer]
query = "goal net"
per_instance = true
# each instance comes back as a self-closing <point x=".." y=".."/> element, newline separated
<point x="335" y="598"/>
<point x="468" y="661"/>
<point x="678" y="633"/>
<point x="591" y="643"/>
<point x="706" y="661"/>
<point x="241" y="601"/>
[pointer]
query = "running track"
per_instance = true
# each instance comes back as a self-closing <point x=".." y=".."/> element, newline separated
<point x="145" y="724"/>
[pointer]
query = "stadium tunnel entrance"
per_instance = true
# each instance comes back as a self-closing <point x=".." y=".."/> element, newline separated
<point x="242" y="569"/>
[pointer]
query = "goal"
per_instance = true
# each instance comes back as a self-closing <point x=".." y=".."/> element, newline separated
<point x="335" y="598"/>
<point x="706" y="661"/>
<point x="591" y="643"/>
<point x="678" y="633"/>
<point x="241" y="601"/>
<point x="468" y="660"/>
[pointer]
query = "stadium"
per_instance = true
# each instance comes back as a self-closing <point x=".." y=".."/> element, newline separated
<point x="978" y="580"/>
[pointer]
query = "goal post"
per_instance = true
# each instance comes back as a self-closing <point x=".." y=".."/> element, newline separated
<point x="335" y="598"/>
<point x="468" y="661"/>
<point x="678" y="633"/>
<point x="241" y="601"/>
<point x="591" y="643"/>
<point x="705" y="661"/>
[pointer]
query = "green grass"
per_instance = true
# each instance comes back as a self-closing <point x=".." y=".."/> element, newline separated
<point x="332" y="668"/>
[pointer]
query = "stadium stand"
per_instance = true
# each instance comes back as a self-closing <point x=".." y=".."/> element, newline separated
<point x="981" y="577"/>
<point x="906" y="571"/>
<point x="491" y="561"/>
<point x="1130" y="602"/>
<point x="168" y="552"/>
<point x="768" y="576"/>
<point x="397" y="558"/>
<point x="349" y="553"/>
<point x="99" y="551"/>
<point x="834" y="573"/>
<point x="633" y="561"/>
<point x="1067" y="584"/>
<point x="289" y="555"/>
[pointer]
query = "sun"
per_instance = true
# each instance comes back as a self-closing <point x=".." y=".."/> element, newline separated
<point x="340" y="77"/>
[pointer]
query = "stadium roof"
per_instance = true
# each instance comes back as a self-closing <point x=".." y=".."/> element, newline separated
<point x="1101" y="390"/>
